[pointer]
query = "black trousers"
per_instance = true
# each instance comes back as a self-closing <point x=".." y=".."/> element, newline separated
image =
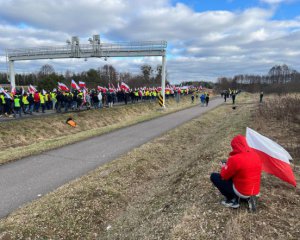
<point x="224" y="186"/>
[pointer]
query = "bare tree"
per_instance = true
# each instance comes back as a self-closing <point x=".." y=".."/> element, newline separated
<point x="46" y="70"/>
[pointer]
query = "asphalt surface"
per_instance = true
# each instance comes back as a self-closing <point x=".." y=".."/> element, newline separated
<point x="25" y="180"/>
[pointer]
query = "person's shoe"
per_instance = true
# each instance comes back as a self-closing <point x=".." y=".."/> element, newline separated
<point x="233" y="203"/>
<point x="252" y="203"/>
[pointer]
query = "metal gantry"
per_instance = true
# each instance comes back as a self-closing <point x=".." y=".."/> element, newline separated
<point x="96" y="49"/>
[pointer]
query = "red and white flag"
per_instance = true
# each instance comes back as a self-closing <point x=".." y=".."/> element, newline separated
<point x="113" y="87"/>
<point x="31" y="89"/>
<point x="63" y="87"/>
<point x="102" y="89"/>
<point x="13" y="90"/>
<point x="275" y="159"/>
<point x="5" y="93"/>
<point x="84" y="95"/>
<point x="125" y="87"/>
<point x="74" y="85"/>
<point x="82" y="84"/>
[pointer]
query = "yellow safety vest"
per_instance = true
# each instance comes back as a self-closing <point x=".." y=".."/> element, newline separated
<point x="24" y="100"/>
<point x="17" y="101"/>
<point x="53" y="96"/>
<point x="42" y="99"/>
<point x="3" y="99"/>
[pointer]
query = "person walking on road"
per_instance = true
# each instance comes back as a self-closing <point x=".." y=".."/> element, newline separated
<point x="202" y="99"/>
<point x="206" y="99"/>
<point x="233" y="97"/>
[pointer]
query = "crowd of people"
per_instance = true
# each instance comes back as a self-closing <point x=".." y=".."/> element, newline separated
<point x="230" y="93"/>
<point x="20" y="102"/>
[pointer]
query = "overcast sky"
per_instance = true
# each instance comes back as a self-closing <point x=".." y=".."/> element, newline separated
<point x="206" y="38"/>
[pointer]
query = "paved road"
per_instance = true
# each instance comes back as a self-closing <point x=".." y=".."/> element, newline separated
<point x="25" y="180"/>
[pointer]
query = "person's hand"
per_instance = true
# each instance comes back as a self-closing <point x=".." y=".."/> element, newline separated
<point x="223" y="163"/>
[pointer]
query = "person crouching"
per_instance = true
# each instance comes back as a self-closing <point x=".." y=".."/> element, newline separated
<point x="240" y="175"/>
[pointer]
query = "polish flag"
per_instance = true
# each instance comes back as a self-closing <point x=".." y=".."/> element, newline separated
<point x="74" y="85"/>
<point x="5" y="93"/>
<point x="31" y="89"/>
<point x="84" y="95"/>
<point x="13" y="90"/>
<point x="101" y="89"/>
<point x="63" y="87"/>
<point x="82" y="84"/>
<point x="113" y="87"/>
<point x="275" y="159"/>
<point x="125" y="87"/>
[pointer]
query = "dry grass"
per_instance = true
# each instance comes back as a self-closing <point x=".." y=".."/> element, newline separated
<point x="33" y="136"/>
<point x="162" y="191"/>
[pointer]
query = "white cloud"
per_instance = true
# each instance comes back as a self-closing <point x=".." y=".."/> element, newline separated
<point x="201" y="45"/>
<point x="273" y="1"/>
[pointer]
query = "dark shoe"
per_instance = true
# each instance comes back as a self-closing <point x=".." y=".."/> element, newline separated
<point x="252" y="202"/>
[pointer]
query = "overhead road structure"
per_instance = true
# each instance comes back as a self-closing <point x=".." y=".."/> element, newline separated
<point x="96" y="49"/>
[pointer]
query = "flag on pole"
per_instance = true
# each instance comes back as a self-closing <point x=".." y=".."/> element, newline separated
<point x="111" y="90"/>
<point x="275" y="159"/>
<point x="84" y="95"/>
<point x="31" y="89"/>
<point x="102" y="89"/>
<point x="113" y="87"/>
<point x="125" y="87"/>
<point x="74" y="85"/>
<point x="5" y="93"/>
<point x="82" y="84"/>
<point x="13" y="90"/>
<point x="63" y="87"/>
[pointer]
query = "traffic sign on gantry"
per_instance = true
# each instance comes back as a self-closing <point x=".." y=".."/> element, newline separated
<point x="96" y="48"/>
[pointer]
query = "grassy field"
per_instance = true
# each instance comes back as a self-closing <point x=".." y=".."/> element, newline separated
<point x="161" y="190"/>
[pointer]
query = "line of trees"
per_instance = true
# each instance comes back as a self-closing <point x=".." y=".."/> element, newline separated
<point x="279" y="79"/>
<point x="47" y="78"/>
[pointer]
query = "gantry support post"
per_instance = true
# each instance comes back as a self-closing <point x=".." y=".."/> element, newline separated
<point x="163" y="79"/>
<point x="12" y="74"/>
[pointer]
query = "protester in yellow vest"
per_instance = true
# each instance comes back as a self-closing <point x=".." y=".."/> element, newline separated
<point x="53" y="99"/>
<point x="17" y="105"/>
<point x="42" y="101"/>
<point x="25" y="103"/>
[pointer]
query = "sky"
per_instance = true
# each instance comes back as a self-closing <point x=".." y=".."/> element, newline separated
<point x="207" y="39"/>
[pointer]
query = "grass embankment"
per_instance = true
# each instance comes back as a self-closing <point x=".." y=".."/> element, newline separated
<point x="161" y="190"/>
<point x="35" y="135"/>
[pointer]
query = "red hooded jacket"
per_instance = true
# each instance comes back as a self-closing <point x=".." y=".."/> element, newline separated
<point x="243" y="167"/>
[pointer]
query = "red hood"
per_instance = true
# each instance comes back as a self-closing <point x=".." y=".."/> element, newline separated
<point x="239" y="145"/>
